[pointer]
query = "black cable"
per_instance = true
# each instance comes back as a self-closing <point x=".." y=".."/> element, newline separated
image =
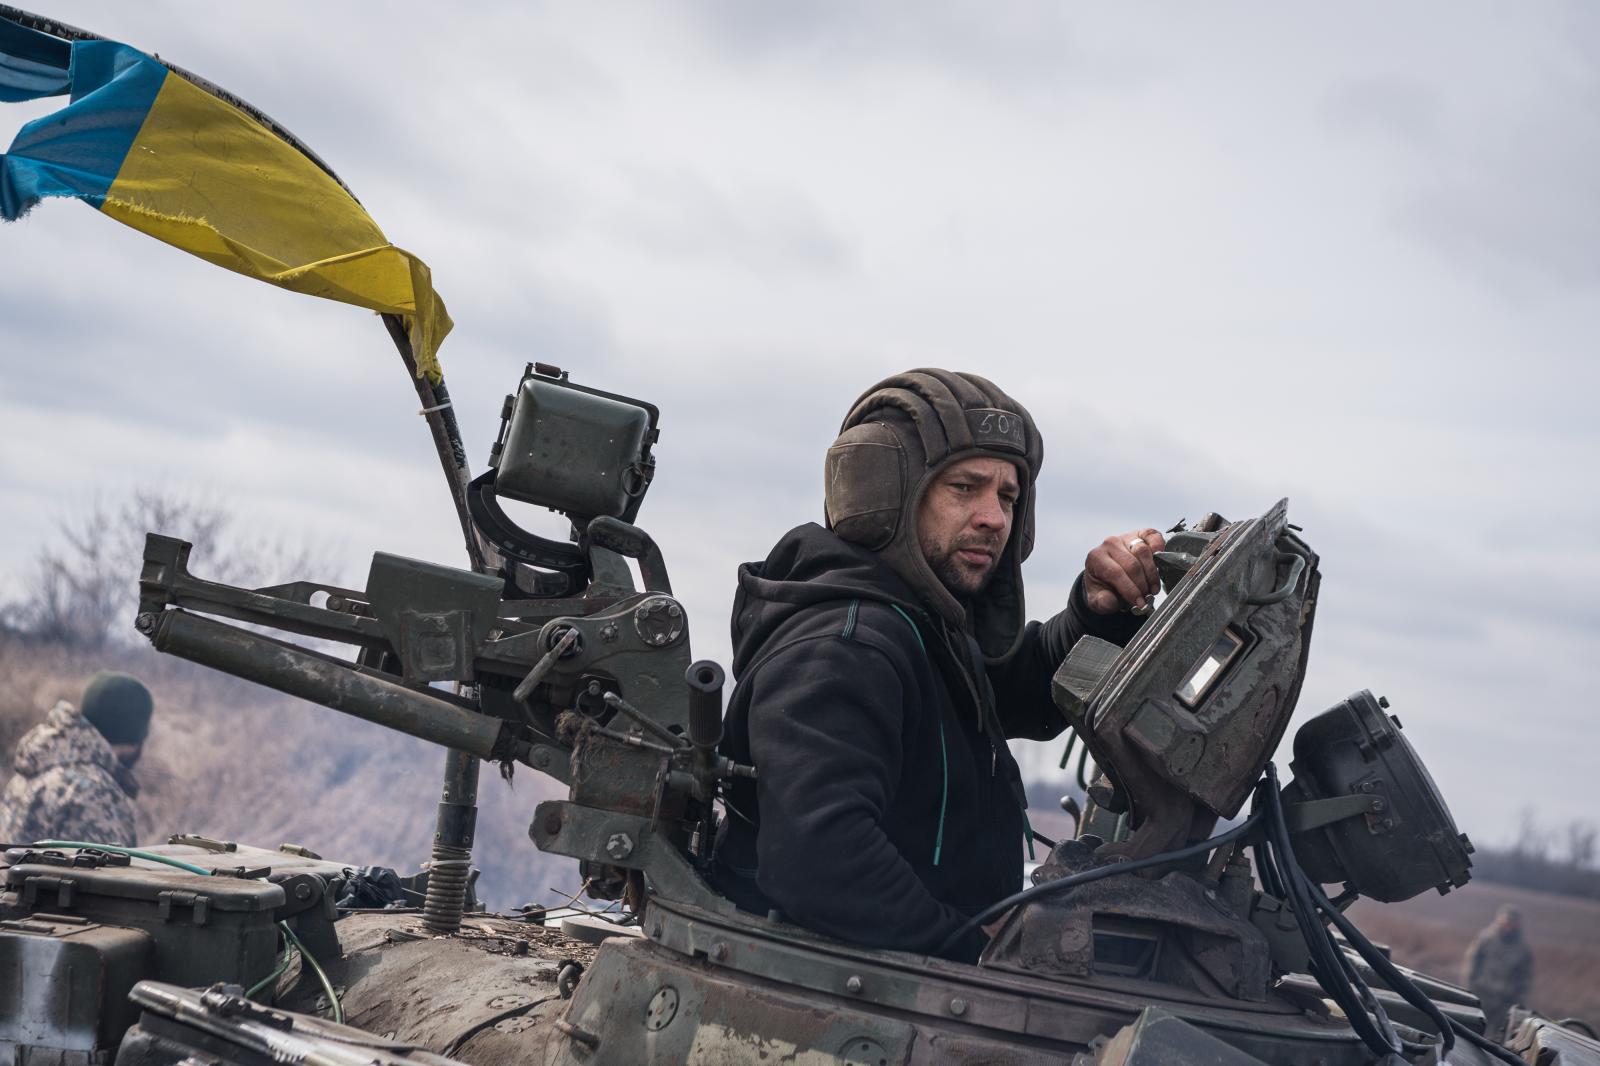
<point x="743" y="816"/>
<point x="1349" y="982"/>
<point x="1332" y="967"/>
<point x="1283" y="863"/>
<point x="1343" y="981"/>
<point x="1328" y="963"/>
<point x="1397" y="982"/>
<point x="1369" y="1002"/>
<point x="1072" y="738"/>
<point x="1267" y="863"/>
<point x="1063" y="883"/>
<point x="1485" y="1044"/>
<point x="1266" y="871"/>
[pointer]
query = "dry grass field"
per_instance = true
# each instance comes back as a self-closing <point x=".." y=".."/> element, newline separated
<point x="234" y="761"/>
<point x="1431" y="933"/>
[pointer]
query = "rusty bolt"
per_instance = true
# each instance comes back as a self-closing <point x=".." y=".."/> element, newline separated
<point x="620" y="846"/>
<point x="852" y="984"/>
<point x="958" y="1006"/>
<point x="302" y="892"/>
<point x="674" y="611"/>
<point x="1366" y="786"/>
<point x="609" y="632"/>
<point x="719" y="952"/>
<point x="1377" y="803"/>
<point x="145" y="622"/>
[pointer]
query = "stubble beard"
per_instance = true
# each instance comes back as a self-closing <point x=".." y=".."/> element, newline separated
<point x="960" y="579"/>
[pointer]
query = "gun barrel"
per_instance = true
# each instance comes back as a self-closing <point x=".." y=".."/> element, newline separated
<point x="327" y="681"/>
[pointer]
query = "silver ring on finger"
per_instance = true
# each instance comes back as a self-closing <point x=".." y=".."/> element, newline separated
<point x="1135" y="543"/>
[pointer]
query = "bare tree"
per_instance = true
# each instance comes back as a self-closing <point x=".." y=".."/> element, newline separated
<point x="1580" y="844"/>
<point x="1532" y="841"/>
<point x="85" y="584"/>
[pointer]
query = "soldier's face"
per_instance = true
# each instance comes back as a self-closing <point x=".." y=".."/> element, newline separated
<point x="964" y="521"/>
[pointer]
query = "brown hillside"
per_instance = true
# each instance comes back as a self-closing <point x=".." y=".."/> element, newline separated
<point x="1431" y="933"/>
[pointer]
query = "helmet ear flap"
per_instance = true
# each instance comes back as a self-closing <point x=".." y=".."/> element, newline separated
<point x="864" y="486"/>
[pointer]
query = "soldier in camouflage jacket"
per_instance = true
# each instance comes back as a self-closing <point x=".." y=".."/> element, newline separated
<point x="72" y="773"/>
<point x="1499" y="968"/>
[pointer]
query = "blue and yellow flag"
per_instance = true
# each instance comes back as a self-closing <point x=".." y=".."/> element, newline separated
<point x="158" y="153"/>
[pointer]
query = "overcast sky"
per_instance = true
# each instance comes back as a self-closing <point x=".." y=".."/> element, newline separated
<point x="1348" y="254"/>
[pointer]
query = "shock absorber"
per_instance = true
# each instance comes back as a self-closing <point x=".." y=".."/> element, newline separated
<point x="451" y="866"/>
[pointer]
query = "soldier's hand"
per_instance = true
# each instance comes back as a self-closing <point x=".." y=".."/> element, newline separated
<point x="1120" y="573"/>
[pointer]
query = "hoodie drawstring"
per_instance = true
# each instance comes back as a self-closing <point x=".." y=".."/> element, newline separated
<point x="944" y="748"/>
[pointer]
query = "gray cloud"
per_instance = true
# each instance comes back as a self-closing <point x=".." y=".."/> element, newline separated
<point x="771" y="230"/>
<point x="1400" y="110"/>
<point x="1225" y="257"/>
<point x="1030" y="44"/>
<point x="1504" y="174"/>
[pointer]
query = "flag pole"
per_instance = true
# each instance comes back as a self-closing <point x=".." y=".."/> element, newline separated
<point x="441" y="417"/>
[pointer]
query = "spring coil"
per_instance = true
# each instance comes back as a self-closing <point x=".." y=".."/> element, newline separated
<point x="447" y="888"/>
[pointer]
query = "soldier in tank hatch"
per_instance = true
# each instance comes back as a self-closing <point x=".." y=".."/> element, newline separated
<point x="883" y="661"/>
<point x="73" y="773"/>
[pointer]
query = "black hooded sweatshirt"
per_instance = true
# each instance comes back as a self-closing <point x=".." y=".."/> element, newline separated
<point x="888" y="809"/>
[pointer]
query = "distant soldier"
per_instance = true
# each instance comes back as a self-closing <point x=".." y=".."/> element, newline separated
<point x="1499" y="968"/>
<point x="73" y="772"/>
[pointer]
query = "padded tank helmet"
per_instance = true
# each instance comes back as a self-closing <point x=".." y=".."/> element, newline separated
<point x="896" y="439"/>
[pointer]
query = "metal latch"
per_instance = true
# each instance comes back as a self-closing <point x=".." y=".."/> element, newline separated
<point x="64" y="888"/>
<point x="199" y="905"/>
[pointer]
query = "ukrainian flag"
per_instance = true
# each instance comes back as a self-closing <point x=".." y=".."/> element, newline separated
<point x="159" y="153"/>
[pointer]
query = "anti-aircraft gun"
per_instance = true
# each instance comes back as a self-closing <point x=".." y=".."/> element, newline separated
<point x="1149" y="937"/>
<point x="556" y="661"/>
